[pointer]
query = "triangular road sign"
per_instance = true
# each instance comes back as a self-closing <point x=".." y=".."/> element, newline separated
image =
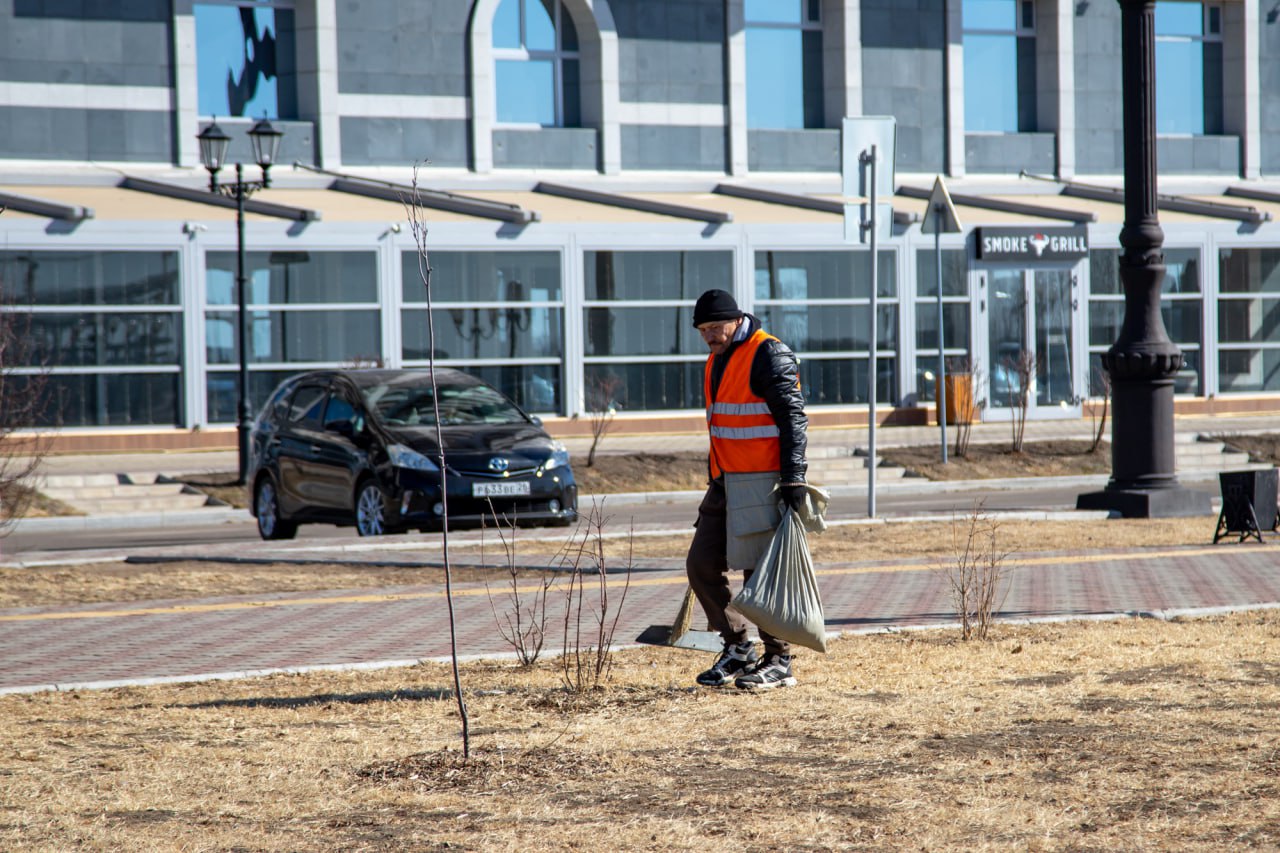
<point x="941" y="216"/>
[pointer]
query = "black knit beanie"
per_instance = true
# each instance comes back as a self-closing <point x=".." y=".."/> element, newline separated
<point x="715" y="306"/>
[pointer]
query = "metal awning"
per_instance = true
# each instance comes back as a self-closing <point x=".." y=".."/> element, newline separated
<point x="44" y="207"/>
<point x="199" y="196"/>
<point x="1175" y="203"/>
<point x="804" y="202"/>
<point x="435" y="199"/>
<point x="648" y="205"/>
<point x="1005" y="205"/>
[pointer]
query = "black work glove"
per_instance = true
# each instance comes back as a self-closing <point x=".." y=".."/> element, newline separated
<point x="793" y="494"/>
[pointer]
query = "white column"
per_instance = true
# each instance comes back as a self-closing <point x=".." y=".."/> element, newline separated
<point x="1242" y="91"/>
<point x="736" y="85"/>
<point x="842" y="58"/>
<point x="316" y="37"/>
<point x="1064" y="89"/>
<point x="186" y="90"/>
<point x="955" y="91"/>
<point x="483" y="97"/>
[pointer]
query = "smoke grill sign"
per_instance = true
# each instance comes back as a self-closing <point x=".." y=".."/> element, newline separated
<point x="1032" y="244"/>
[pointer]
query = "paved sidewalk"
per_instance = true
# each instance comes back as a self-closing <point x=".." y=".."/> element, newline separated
<point x="74" y="647"/>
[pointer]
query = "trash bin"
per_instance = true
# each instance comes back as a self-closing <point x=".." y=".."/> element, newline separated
<point x="1248" y="503"/>
<point x="959" y="398"/>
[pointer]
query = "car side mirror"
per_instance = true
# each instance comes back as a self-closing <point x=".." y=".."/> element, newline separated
<point x="537" y="421"/>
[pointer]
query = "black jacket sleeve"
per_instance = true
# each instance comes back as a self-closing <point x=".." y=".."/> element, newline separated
<point x="775" y="377"/>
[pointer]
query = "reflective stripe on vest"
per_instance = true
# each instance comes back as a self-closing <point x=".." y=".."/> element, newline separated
<point x="744" y="436"/>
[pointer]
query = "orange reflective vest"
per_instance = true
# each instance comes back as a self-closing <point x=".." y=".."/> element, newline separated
<point x="744" y="436"/>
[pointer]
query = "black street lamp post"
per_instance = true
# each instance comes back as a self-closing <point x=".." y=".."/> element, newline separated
<point x="265" y="140"/>
<point x="1143" y="360"/>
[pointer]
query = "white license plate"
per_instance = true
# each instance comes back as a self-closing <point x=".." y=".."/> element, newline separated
<point x="500" y="490"/>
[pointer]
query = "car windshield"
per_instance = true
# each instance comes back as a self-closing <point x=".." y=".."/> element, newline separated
<point x="401" y="404"/>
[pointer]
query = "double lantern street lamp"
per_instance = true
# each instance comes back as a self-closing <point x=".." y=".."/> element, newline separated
<point x="265" y="140"/>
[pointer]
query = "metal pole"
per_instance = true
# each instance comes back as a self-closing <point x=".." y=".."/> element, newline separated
<point x="242" y="424"/>
<point x="871" y="394"/>
<point x="942" y="356"/>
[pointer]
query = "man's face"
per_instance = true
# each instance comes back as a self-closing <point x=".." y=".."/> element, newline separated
<point x="719" y="334"/>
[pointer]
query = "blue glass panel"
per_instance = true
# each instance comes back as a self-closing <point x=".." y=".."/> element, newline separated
<point x="990" y="84"/>
<point x="526" y="92"/>
<point x="568" y="32"/>
<point x="236" y="69"/>
<point x="989" y="15"/>
<point x="1179" y="87"/>
<point x="775" y="79"/>
<point x="539" y="28"/>
<point x="1179" y="19"/>
<point x="506" y="24"/>
<point x="773" y="11"/>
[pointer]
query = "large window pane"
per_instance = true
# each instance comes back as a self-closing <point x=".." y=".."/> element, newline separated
<point x="955" y="316"/>
<point x="526" y="91"/>
<point x="485" y="277"/>
<point x="222" y="391"/>
<point x="112" y="399"/>
<point x="536" y="388"/>
<point x="1180" y="87"/>
<point x="650" y="386"/>
<point x="775" y="78"/>
<point x="301" y="336"/>
<point x="89" y="278"/>
<point x="1249" y="271"/>
<point x="955" y="273"/>
<point x="830" y="328"/>
<point x="1249" y="320"/>
<point x="94" y="339"/>
<point x="293" y="278"/>
<point x="1249" y="370"/>
<point x="1179" y="19"/>
<point x="989" y="14"/>
<point x="240" y="60"/>
<point x="823" y="275"/>
<point x="506" y="24"/>
<point x="773" y="11"/>
<point x="655" y="276"/>
<point x="485" y="333"/>
<point x="641" y="330"/>
<point x="990" y="83"/>
<point x="843" y="381"/>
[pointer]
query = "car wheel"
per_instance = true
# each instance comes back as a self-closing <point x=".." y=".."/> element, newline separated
<point x="371" y="509"/>
<point x="270" y="524"/>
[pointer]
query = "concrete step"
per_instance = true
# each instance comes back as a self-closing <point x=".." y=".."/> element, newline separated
<point x="133" y="505"/>
<point x="118" y="490"/>
<point x="844" y="476"/>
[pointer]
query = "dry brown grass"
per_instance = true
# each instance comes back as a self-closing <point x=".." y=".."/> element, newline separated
<point x="24" y="587"/>
<point x="1104" y="736"/>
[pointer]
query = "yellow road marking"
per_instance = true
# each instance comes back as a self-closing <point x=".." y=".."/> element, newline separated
<point x="370" y="598"/>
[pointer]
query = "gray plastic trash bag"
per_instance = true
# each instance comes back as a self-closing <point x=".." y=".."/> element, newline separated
<point x="781" y="596"/>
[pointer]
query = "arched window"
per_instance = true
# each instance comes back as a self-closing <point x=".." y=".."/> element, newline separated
<point x="536" y="64"/>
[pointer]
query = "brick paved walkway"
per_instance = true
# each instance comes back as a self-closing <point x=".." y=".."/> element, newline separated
<point x="97" y="645"/>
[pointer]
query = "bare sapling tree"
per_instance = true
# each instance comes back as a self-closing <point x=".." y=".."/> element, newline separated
<point x="602" y="405"/>
<point x="1101" y="388"/>
<point x="418" y="228"/>
<point x="967" y="409"/>
<point x="590" y="615"/>
<point x="523" y="623"/>
<point x="977" y="575"/>
<point x="24" y="407"/>
<point x="1022" y="369"/>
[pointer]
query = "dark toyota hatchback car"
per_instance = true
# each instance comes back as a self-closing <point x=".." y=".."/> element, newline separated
<point x="358" y="447"/>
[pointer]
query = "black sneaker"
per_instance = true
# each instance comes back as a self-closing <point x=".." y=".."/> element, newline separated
<point x="770" y="672"/>
<point x="734" y="660"/>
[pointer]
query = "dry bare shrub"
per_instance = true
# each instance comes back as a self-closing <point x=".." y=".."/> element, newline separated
<point x="968" y="410"/>
<point x="977" y="575"/>
<point x="24" y="403"/>
<point x="1101" y="388"/>
<point x="590" y="618"/>
<point x="523" y="622"/>
<point x="1023" y="367"/>
<point x="602" y="405"/>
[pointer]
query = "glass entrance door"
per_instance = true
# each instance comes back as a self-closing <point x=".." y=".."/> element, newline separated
<point x="1031" y="339"/>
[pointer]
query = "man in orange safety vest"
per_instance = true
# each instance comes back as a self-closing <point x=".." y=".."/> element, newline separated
<point x="757" y="426"/>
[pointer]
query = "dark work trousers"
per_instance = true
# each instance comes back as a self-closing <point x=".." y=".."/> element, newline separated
<point x="708" y="572"/>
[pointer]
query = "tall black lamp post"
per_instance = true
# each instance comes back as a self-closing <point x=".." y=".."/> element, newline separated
<point x="1142" y="362"/>
<point x="265" y="140"/>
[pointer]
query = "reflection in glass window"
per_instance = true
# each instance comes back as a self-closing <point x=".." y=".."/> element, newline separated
<point x="819" y="304"/>
<point x="1181" y="307"/>
<point x="999" y="66"/>
<point x="784" y="64"/>
<point x="955" y="316"/>
<point x="1249" y="320"/>
<point x="108" y="323"/>
<point x="535" y="51"/>
<point x="245" y="59"/>
<point x="1188" y="68"/>
<point x="498" y="315"/>
<point x="638" y="338"/>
